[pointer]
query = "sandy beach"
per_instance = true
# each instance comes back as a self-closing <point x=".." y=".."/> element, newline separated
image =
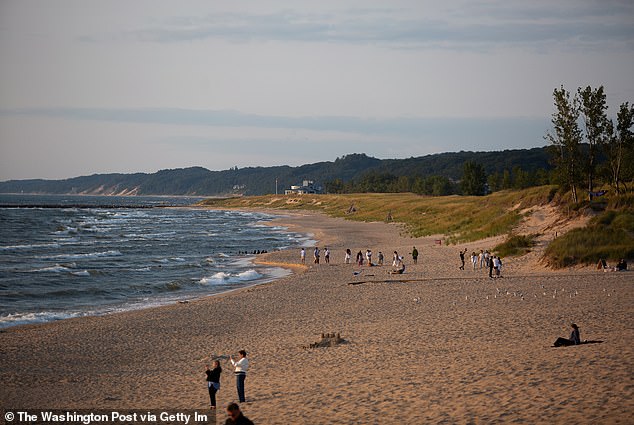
<point x="435" y="345"/>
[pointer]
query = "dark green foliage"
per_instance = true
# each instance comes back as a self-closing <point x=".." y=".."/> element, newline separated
<point x="515" y="245"/>
<point x="430" y="175"/>
<point x="473" y="179"/>
<point x="565" y="141"/>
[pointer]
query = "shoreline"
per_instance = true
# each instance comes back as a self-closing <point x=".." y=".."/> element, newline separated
<point x="453" y="346"/>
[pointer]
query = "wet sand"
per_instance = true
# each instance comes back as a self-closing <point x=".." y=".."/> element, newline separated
<point x="435" y="345"/>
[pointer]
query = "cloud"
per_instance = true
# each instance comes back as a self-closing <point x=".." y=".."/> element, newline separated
<point x="476" y="25"/>
<point x="402" y="126"/>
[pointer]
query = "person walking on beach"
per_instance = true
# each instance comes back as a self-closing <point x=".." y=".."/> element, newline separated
<point x="327" y="255"/>
<point x="395" y="258"/>
<point x="415" y="255"/>
<point x="241" y="366"/>
<point x="316" y="255"/>
<point x="368" y="256"/>
<point x="302" y="255"/>
<point x="497" y="265"/>
<point x="348" y="256"/>
<point x="474" y="259"/>
<point x="481" y="259"/>
<point x="235" y="416"/>
<point x="213" y="382"/>
<point x="380" y="258"/>
<point x="491" y="265"/>
<point x="462" y="253"/>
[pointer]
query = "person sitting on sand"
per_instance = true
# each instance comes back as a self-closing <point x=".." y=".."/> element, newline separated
<point x="400" y="267"/>
<point x="235" y="416"/>
<point x="575" y="338"/>
<point x="621" y="265"/>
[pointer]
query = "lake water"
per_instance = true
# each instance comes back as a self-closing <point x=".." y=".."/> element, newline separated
<point x="70" y="256"/>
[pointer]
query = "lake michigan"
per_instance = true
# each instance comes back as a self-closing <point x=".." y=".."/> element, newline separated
<point x="71" y="256"/>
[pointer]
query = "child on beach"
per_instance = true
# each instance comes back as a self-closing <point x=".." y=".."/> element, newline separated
<point x="302" y="255"/>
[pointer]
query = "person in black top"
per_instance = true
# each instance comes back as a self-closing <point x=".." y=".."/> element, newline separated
<point x="235" y="416"/>
<point x="462" y="253"/>
<point x="213" y="382"/>
<point x="575" y="338"/>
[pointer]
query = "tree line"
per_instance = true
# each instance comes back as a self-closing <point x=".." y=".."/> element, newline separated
<point x="608" y="157"/>
<point x="587" y="148"/>
<point x="475" y="181"/>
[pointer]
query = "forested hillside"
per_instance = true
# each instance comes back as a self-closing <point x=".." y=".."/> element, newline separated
<point x="261" y="180"/>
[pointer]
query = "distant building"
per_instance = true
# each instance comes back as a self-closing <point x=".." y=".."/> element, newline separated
<point x="308" y="187"/>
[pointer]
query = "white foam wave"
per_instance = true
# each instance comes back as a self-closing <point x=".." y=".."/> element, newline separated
<point x="110" y="253"/>
<point x="29" y="246"/>
<point x="81" y="273"/>
<point x="40" y="317"/>
<point x="222" y="277"/>
<point x="54" y="269"/>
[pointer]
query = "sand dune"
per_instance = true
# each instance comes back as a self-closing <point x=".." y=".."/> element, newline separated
<point x="445" y="346"/>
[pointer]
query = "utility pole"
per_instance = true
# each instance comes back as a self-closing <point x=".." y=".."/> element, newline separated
<point x="276" y="185"/>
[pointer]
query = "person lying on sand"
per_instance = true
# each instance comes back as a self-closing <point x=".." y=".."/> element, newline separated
<point x="400" y="267"/>
<point x="575" y="338"/>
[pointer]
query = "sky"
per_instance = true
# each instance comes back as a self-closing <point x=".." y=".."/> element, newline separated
<point x="137" y="86"/>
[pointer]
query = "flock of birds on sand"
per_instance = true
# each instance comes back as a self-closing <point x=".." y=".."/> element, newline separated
<point x="522" y="296"/>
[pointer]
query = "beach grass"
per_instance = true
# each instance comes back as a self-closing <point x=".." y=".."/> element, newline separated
<point x="609" y="236"/>
<point x="515" y="245"/>
<point x="458" y="218"/>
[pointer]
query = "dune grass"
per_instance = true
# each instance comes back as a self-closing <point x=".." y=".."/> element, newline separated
<point x="458" y="218"/>
<point x="609" y="236"/>
<point x="515" y="245"/>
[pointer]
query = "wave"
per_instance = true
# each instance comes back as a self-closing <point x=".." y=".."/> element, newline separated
<point x="54" y="269"/>
<point x="40" y="317"/>
<point x="110" y="253"/>
<point x="223" y="278"/>
<point x="81" y="273"/>
<point x="29" y="246"/>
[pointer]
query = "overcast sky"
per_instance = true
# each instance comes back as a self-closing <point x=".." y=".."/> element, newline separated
<point x="125" y="86"/>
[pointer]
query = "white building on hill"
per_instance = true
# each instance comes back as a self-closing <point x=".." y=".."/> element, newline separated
<point x="308" y="187"/>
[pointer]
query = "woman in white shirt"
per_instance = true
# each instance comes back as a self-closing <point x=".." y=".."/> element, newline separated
<point x="241" y="366"/>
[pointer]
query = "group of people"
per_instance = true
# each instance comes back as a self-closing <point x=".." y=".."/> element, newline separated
<point x="482" y="260"/>
<point x="361" y="258"/>
<point x="620" y="266"/>
<point x="235" y="416"/>
<point x="316" y="255"/>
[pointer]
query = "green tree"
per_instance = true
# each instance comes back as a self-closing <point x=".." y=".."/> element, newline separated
<point x="620" y="144"/>
<point x="565" y="140"/>
<point x="494" y="182"/>
<point x="593" y="108"/>
<point x="473" y="179"/>
<point x="507" y="183"/>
